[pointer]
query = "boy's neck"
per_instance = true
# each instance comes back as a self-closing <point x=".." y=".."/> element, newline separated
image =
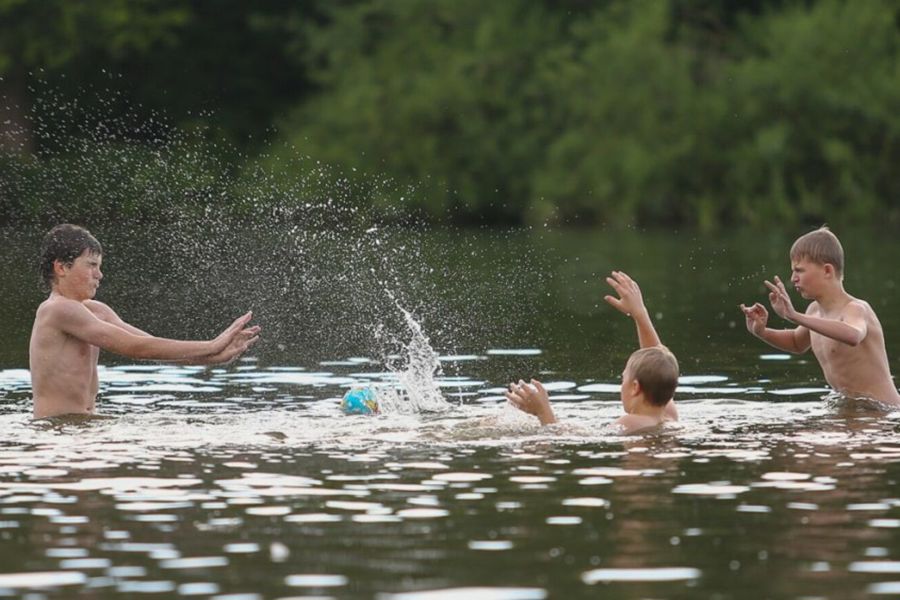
<point x="645" y="409"/>
<point x="833" y="296"/>
<point x="59" y="292"/>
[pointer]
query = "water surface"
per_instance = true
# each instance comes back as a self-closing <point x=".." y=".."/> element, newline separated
<point x="246" y="482"/>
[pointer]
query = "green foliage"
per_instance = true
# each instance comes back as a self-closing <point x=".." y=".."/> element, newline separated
<point x="624" y="113"/>
<point x="816" y="99"/>
<point x="678" y="112"/>
<point x="52" y="33"/>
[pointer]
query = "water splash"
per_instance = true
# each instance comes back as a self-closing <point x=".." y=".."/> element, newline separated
<point x="417" y="387"/>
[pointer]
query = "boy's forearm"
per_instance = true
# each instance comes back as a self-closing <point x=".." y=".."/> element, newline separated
<point x="783" y="339"/>
<point x="546" y="416"/>
<point x="836" y="330"/>
<point x="154" y="348"/>
<point x="647" y="336"/>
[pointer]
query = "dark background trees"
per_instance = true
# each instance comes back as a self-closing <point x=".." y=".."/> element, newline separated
<point x="681" y="112"/>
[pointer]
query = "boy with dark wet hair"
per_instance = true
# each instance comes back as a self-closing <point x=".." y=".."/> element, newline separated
<point x="843" y="332"/>
<point x="648" y="381"/>
<point x="70" y="328"/>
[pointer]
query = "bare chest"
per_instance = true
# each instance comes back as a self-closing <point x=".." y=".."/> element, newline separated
<point x="826" y="349"/>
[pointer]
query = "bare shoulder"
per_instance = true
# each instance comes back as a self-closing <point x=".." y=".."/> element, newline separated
<point x="59" y="308"/>
<point x="858" y="308"/>
<point x="813" y="308"/>
<point x="100" y="310"/>
<point x="857" y="304"/>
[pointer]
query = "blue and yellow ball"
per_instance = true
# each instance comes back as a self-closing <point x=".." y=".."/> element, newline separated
<point x="360" y="401"/>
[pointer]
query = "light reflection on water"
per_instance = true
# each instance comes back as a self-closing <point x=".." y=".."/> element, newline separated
<point x="248" y="480"/>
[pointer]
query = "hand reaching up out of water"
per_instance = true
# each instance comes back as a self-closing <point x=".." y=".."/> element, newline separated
<point x="533" y="399"/>
<point x="631" y="304"/>
<point x="630" y="301"/>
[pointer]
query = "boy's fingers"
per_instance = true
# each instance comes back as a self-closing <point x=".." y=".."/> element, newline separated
<point x="539" y="386"/>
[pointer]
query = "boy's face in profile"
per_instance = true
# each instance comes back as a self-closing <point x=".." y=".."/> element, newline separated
<point x="83" y="276"/>
<point x="808" y="277"/>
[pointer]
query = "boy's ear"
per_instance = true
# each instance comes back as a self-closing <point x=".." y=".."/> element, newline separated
<point x="635" y="388"/>
<point x="59" y="267"/>
<point x="829" y="269"/>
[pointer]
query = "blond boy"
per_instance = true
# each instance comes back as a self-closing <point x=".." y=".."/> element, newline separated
<point x="843" y="332"/>
<point x="70" y="328"/>
<point x="648" y="381"/>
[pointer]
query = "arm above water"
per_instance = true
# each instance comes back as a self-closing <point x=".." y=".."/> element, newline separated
<point x="240" y="343"/>
<point x="851" y="329"/>
<point x="75" y="319"/>
<point x="631" y="303"/>
<point x="532" y="399"/>
<point x="788" y="340"/>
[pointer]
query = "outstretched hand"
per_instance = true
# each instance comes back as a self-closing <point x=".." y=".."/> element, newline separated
<point x="532" y="399"/>
<point x="234" y="341"/>
<point x="224" y="339"/>
<point x="239" y="344"/>
<point x="780" y="300"/>
<point x="630" y="301"/>
<point x="757" y="318"/>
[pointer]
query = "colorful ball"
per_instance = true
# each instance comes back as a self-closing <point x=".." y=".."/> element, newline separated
<point x="359" y="401"/>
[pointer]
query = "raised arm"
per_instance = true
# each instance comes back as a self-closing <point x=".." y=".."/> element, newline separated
<point x="78" y="321"/>
<point x="631" y="303"/>
<point x="851" y="330"/>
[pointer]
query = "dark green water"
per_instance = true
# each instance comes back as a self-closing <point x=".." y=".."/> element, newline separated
<point x="245" y="482"/>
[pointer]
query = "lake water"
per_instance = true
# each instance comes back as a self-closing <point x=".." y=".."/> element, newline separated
<point x="245" y="482"/>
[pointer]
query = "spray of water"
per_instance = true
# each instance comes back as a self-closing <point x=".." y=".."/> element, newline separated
<point x="195" y="233"/>
<point x="417" y="389"/>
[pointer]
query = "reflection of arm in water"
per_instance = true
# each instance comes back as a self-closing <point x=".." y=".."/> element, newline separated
<point x="532" y="399"/>
<point x="229" y="345"/>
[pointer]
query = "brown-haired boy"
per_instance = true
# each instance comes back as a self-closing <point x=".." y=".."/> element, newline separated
<point x="70" y="328"/>
<point x="648" y="381"/>
<point x="843" y="332"/>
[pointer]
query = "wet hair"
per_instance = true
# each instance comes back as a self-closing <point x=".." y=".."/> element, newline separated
<point x="656" y="370"/>
<point x="821" y="247"/>
<point x="65" y="243"/>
